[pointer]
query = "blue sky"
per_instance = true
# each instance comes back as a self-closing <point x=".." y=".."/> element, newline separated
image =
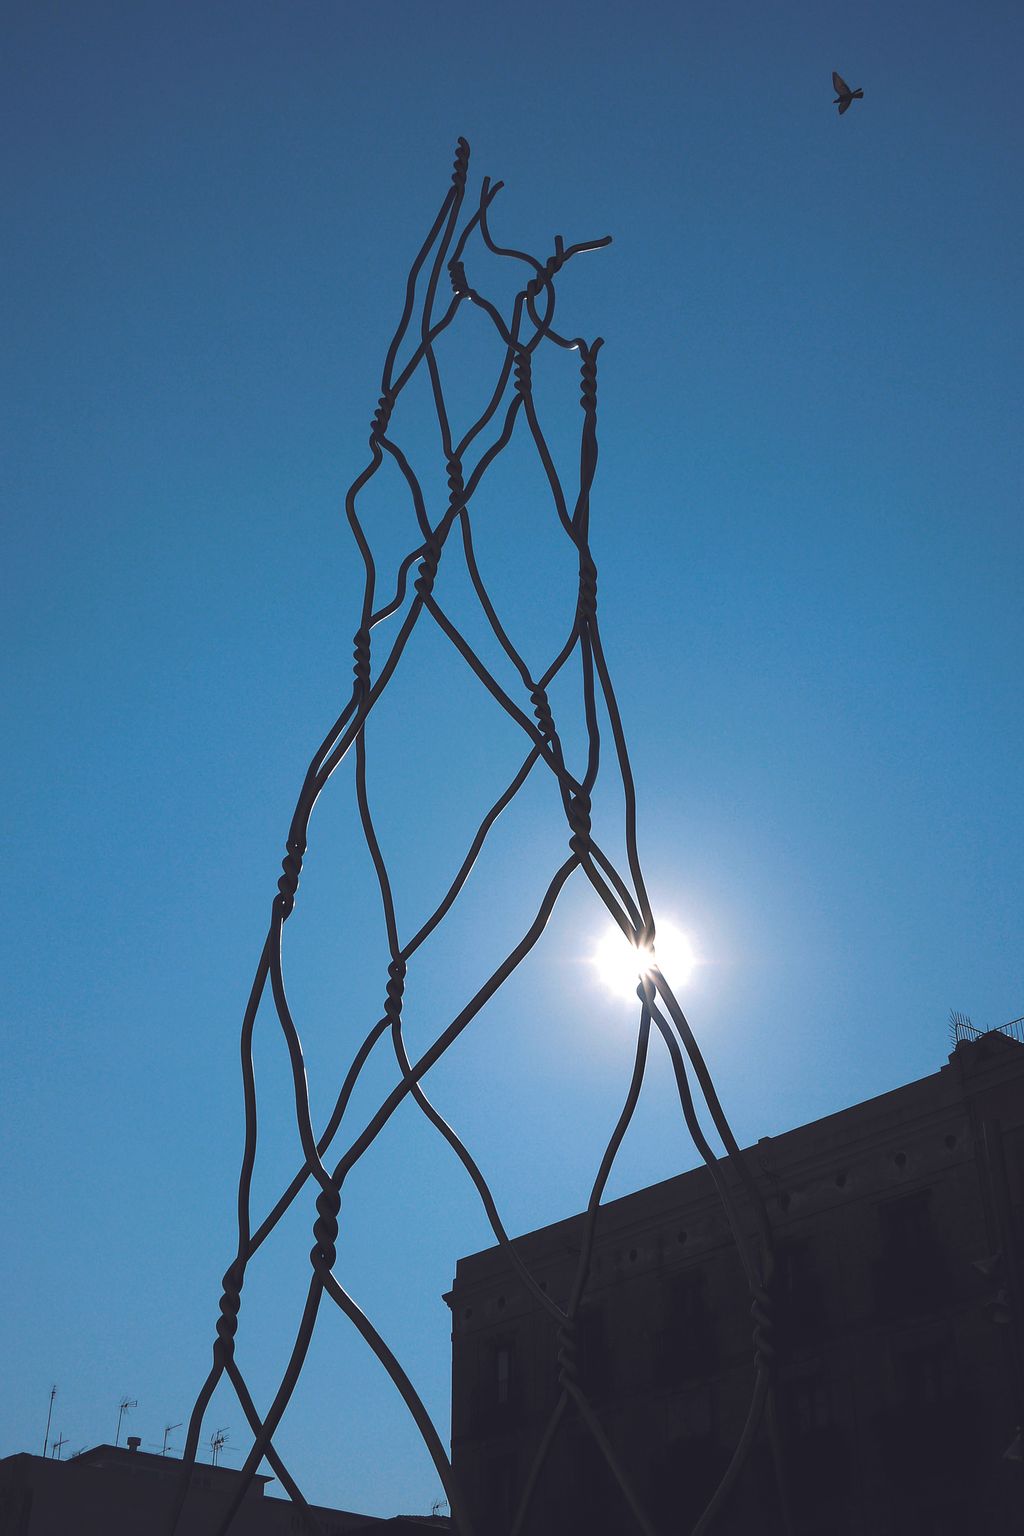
<point x="807" y="520"/>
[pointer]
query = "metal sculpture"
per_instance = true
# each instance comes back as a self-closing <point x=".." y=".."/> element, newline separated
<point x="529" y="326"/>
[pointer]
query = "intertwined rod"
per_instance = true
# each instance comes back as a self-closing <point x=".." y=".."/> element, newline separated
<point x="530" y="323"/>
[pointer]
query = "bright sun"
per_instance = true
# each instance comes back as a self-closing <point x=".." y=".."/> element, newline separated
<point x="619" y="964"/>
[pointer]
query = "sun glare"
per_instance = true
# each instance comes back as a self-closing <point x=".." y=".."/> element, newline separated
<point x="620" y="966"/>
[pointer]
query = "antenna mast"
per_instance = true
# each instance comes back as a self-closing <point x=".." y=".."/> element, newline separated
<point x="217" y="1441"/>
<point x="167" y="1431"/>
<point x="125" y="1406"/>
<point x="49" y="1415"/>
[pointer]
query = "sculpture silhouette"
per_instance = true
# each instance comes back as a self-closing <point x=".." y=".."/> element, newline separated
<point x="511" y="407"/>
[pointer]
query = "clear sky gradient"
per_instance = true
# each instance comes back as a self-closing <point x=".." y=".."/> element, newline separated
<point x="808" y="523"/>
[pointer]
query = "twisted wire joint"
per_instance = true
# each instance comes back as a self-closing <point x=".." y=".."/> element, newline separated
<point x="395" y="991"/>
<point x="325" y="1231"/>
<point x="291" y="864"/>
<point x="764" y="1329"/>
<point x="227" y="1323"/>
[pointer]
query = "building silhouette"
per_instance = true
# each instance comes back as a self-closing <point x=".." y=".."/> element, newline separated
<point x="899" y="1231"/>
<point x="899" y="1227"/>
<point x="114" y="1491"/>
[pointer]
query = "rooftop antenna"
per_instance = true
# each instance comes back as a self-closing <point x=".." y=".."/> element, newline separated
<point x="167" y="1430"/>
<point x="960" y="1027"/>
<point x="125" y="1406"/>
<point x="217" y="1441"/>
<point x="58" y="1446"/>
<point x="49" y="1415"/>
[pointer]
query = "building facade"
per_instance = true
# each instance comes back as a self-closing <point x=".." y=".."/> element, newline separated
<point x="899" y="1230"/>
<point x="118" y="1491"/>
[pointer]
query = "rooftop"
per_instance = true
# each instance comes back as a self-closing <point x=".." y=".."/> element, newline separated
<point x="977" y="1062"/>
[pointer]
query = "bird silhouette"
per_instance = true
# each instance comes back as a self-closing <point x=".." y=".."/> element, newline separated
<point x="843" y="93"/>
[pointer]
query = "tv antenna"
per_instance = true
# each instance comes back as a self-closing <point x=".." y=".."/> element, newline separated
<point x="167" y="1430"/>
<point x="961" y="1027"/>
<point x="438" y="1507"/>
<point x="218" y="1440"/>
<point x="124" y="1406"/>
<point x="49" y="1415"/>
<point x="58" y="1446"/>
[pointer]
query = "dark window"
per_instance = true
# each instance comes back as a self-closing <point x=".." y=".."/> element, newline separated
<point x="926" y="1376"/>
<point x="818" y="1505"/>
<point x="504" y="1362"/>
<point x="911" y="1275"/>
<point x="906" y="1224"/>
<point x="496" y="1398"/>
<point x="501" y="1487"/>
<point x="684" y="1475"/>
<point x="817" y="1445"/>
<point x="686" y="1345"/>
<point x="811" y="1407"/>
<point x="799" y="1294"/>
<point x="952" y="1518"/>
<point x="595" y="1505"/>
<point x="928" y="1435"/>
<point x="592" y="1350"/>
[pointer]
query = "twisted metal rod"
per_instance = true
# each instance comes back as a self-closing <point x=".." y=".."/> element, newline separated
<point x="625" y="897"/>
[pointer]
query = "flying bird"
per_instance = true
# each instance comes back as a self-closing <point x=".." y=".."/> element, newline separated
<point x="843" y="93"/>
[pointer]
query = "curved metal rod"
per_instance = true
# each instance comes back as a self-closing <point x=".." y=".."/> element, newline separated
<point x="400" y="588"/>
<point x="330" y="1131"/>
<point x="583" y="1264"/>
<point x="537" y="1465"/>
<point x="421" y="1418"/>
<point x="352" y="1156"/>
<point x="461" y="164"/>
<point x="263" y="1438"/>
<point x="398" y="956"/>
<point x="312" y="785"/>
<point x="610" y="1153"/>
<point x="382" y="1025"/>
<point x="626" y="901"/>
<point x="615" y="1466"/>
<point x="711" y="1099"/>
<point x="444" y="907"/>
<point x="224" y="1346"/>
<point x="737" y="1461"/>
<point x="714" y="1164"/>
<point x="483" y="995"/>
<point x="548" y="747"/>
<point x="763" y="1392"/>
<point x="303" y="1118"/>
<point x="284" y="1477"/>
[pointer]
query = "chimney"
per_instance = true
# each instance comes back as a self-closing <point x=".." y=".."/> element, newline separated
<point x="134" y="1441"/>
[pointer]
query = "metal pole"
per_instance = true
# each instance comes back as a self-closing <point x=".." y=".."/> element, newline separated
<point x="123" y="1408"/>
<point x="46" y="1437"/>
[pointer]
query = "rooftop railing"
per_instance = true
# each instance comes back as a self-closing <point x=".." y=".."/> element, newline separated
<point x="961" y="1028"/>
